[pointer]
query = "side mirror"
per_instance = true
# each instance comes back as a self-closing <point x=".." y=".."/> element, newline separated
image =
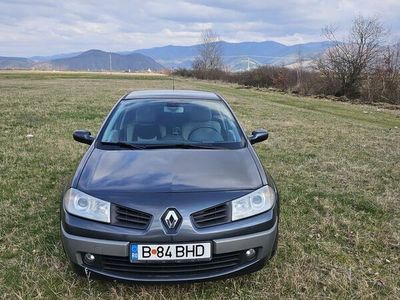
<point x="83" y="136"/>
<point x="258" y="135"/>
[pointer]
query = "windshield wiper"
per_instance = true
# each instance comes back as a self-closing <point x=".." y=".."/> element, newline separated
<point x="160" y="146"/>
<point x="125" y="145"/>
<point x="180" y="146"/>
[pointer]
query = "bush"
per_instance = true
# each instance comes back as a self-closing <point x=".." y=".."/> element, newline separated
<point x="280" y="78"/>
<point x="381" y="85"/>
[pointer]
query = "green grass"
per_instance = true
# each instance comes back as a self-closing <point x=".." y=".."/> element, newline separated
<point x="337" y="166"/>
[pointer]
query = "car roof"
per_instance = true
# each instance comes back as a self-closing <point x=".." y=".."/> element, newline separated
<point x="172" y="94"/>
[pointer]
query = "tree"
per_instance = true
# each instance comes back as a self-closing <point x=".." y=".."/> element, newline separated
<point x="346" y="61"/>
<point x="209" y="58"/>
<point x="383" y="83"/>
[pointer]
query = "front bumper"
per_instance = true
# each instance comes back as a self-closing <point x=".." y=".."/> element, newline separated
<point x="228" y="258"/>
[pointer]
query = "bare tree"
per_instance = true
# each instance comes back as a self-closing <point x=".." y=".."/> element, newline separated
<point x="347" y="61"/>
<point x="209" y="58"/>
<point x="383" y="83"/>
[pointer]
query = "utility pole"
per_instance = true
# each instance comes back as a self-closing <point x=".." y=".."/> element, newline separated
<point x="248" y="63"/>
<point x="110" y="63"/>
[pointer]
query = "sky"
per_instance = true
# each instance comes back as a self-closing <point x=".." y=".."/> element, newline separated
<point x="44" y="27"/>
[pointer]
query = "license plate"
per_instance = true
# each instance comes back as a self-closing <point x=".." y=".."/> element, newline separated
<point x="170" y="252"/>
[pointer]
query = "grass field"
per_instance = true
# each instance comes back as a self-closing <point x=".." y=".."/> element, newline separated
<point x="337" y="166"/>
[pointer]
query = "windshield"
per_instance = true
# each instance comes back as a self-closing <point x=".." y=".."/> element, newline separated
<point x="147" y="123"/>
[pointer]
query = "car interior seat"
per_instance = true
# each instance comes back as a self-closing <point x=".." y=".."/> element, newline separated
<point x="146" y="127"/>
<point x="201" y="127"/>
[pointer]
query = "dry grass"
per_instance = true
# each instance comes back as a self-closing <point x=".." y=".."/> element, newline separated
<point x="336" y="164"/>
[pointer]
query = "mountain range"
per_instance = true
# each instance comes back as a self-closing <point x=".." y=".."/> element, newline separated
<point x="237" y="56"/>
<point x="97" y="60"/>
<point x="91" y="60"/>
<point x="15" y="63"/>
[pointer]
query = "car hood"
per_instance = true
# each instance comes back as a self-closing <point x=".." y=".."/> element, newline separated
<point x="169" y="170"/>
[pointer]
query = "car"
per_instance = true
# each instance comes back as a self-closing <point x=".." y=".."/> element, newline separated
<point x="170" y="190"/>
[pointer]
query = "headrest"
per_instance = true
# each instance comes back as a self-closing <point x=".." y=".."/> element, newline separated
<point x="200" y="114"/>
<point x="145" y="114"/>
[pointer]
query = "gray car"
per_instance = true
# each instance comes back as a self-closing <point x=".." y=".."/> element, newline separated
<point x="170" y="189"/>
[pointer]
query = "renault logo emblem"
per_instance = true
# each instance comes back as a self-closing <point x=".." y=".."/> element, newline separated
<point x="171" y="219"/>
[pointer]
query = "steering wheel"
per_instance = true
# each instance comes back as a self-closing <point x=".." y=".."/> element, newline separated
<point x="213" y="131"/>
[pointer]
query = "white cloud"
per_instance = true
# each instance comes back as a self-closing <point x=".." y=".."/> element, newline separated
<point x="42" y="27"/>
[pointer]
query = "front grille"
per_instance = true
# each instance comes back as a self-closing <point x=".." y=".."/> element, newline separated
<point x="123" y="266"/>
<point x="211" y="216"/>
<point x="127" y="217"/>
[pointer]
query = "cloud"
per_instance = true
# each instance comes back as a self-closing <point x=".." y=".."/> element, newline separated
<point x="44" y="27"/>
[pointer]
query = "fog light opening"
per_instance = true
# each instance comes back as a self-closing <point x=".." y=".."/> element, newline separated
<point x="250" y="254"/>
<point x="89" y="258"/>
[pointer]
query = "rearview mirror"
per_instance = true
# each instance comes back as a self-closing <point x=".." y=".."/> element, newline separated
<point x="83" y="136"/>
<point x="258" y="135"/>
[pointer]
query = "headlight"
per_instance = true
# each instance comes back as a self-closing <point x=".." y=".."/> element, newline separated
<point x="254" y="203"/>
<point x="83" y="205"/>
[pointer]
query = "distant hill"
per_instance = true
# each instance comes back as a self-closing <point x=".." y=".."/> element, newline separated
<point x="51" y="57"/>
<point x="15" y="63"/>
<point x="238" y="55"/>
<point x="92" y="60"/>
<point x="97" y="60"/>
